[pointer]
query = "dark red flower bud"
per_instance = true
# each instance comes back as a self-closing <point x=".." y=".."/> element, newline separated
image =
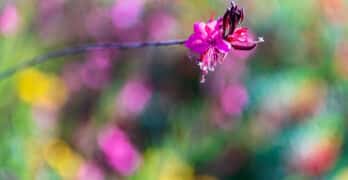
<point x="232" y="17"/>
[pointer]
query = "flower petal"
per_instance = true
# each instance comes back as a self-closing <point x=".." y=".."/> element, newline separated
<point x="240" y="34"/>
<point x="199" y="28"/>
<point x="211" y="27"/>
<point x="223" y="46"/>
<point x="241" y="39"/>
<point x="196" y="44"/>
<point x="244" y="46"/>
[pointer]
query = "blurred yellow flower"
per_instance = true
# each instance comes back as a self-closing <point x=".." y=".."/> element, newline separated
<point x="62" y="159"/>
<point x="341" y="61"/>
<point x="34" y="157"/>
<point x="310" y="95"/>
<point x="343" y="175"/>
<point x="175" y="169"/>
<point x="165" y="165"/>
<point x="38" y="88"/>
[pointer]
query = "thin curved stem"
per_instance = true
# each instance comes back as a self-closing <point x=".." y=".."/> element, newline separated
<point x="82" y="49"/>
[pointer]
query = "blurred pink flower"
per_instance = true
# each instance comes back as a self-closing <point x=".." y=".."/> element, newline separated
<point x="167" y="23"/>
<point x="233" y="99"/>
<point x="100" y="59"/>
<point x="97" y="24"/>
<point x="92" y="77"/>
<point x="207" y="40"/>
<point x="48" y="7"/>
<point x="119" y="151"/>
<point x="9" y="19"/>
<point x="90" y="171"/>
<point x="51" y="16"/>
<point x="133" y="97"/>
<point x="93" y="74"/>
<point x="71" y="76"/>
<point x="230" y="73"/>
<point x="126" y="13"/>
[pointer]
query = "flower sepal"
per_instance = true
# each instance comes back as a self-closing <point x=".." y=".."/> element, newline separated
<point x="242" y="40"/>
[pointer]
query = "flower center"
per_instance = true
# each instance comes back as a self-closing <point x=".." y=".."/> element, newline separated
<point x="211" y="41"/>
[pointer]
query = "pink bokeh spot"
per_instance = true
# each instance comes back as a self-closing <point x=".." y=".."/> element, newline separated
<point x="47" y="7"/>
<point x="119" y="151"/>
<point x="92" y="74"/>
<point x="133" y="97"/>
<point x="167" y="23"/>
<point x="96" y="22"/>
<point x="71" y="76"/>
<point x="90" y="171"/>
<point x="126" y="13"/>
<point x="9" y="19"/>
<point x="233" y="99"/>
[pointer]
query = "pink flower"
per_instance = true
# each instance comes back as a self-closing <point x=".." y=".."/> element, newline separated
<point x="212" y="41"/>
<point x="90" y="171"/>
<point x="9" y="19"/>
<point x="119" y="151"/>
<point x="207" y="41"/>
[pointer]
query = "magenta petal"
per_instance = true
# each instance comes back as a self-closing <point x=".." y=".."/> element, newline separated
<point x="244" y="46"/>
<point x="223" y="46"/>
<point x="242" y="40"/>
<point x="241" y="30"/>
<point x="241" y="35"/>
<point x="199" y="27"/>
<point x="211" y="27"/>
<point x="196" y="44"/>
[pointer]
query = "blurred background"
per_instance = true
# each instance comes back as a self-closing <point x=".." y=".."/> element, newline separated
<point x="277" y="112"/>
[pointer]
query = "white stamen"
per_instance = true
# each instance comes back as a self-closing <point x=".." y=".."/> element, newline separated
<point x="260" y="40"/>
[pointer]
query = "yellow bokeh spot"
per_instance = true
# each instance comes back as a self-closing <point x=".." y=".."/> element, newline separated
<point x="310" y="95"/>
<point x="38" y="88"/>
<point x="175" y="169"/>
<point x="343" y="175"/>
<point x="34" y="157"/>
<point x="165" y="165"/>
<point x="62" y="159"/>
